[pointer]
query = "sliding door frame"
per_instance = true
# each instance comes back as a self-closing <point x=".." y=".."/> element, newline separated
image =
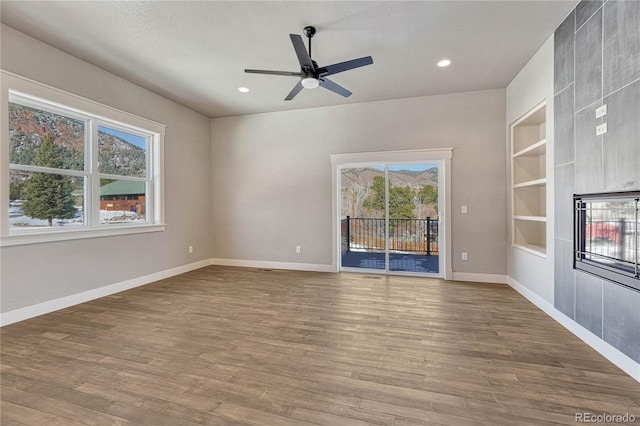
<point x="441" y="156"/>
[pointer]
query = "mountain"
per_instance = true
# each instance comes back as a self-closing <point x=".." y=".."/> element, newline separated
<point x="357" y="190"/>
<point x="27" y="126"/>
<point x="414" y="179"/>
<point x="119" y="157"/>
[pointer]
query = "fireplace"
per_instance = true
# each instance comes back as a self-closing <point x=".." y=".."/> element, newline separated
<point x="606" y="236"/>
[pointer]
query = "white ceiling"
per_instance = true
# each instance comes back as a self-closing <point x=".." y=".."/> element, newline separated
<point x="195" y="52"/>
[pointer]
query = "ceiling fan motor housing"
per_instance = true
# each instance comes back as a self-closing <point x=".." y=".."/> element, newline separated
<point x="309" y="31"/>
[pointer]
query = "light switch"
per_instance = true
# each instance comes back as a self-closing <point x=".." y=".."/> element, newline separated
<point x="601" y="111"/>
<point x="463" y="210"/>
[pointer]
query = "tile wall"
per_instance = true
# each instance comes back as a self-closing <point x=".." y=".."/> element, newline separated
<point x="596" y="62"/>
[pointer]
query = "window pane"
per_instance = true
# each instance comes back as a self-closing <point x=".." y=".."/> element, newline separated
<point x="610" y="234"/>
<point x="362" y="217"/>
<point x="413" y="218"/>
<point x="42" y="138"/>
<point x="121" y="153"/>
<point x="122" y="201"/>
<point x="39" y="200"/>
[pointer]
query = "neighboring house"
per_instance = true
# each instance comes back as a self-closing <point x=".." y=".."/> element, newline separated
<point x="123" y="195"/>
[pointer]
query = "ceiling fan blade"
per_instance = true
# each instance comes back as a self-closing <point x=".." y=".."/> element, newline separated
<point x="334" y="87"/>
<point x="296" y="89"/>
<point x="301" y="52"/>
<point x="285" y="73"/>
<point x="345" y="66"/>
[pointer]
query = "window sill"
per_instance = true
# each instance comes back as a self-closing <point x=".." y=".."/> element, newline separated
<point x="76" y="234"/>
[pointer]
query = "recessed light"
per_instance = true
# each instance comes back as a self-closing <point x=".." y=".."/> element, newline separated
<point x="444" y="63"/>
<point x="243" y="89"/>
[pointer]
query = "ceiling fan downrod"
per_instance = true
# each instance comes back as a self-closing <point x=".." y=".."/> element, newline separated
<point x="309" y="31"/>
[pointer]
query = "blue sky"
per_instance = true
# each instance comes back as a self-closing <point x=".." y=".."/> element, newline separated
<point x="138" y="141"/>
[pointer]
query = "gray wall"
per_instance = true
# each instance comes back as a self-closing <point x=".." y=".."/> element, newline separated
<point x="35" y="273"/>
<point x="272" y="174"/>
<point x="597" y="61"/>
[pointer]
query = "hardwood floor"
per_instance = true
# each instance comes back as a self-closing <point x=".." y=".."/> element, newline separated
<point x="230" y="346"/>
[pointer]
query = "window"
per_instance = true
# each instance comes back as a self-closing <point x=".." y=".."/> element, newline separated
<point x="608" y="237"/>
<point x="77" y="173"/>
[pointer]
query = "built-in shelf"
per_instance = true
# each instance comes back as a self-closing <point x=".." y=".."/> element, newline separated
<point x="535" y="182"/>
<point x="531" y="218"/>
<point x="538" y="148"/>
<point x="529" y="182"/>
<point x="532" y="248"/>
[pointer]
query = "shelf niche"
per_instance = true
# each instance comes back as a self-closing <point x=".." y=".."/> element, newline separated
<point x="528" y="181"/>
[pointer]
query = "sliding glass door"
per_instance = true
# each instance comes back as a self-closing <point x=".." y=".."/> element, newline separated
<point x="362" y="219"/>
<point x="389" y="217"/>
<point x="412" y="210"/>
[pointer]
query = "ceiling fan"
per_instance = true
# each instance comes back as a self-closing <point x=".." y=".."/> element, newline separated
<point x="311" y="75"/>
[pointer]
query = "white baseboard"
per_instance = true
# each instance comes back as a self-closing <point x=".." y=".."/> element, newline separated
<point x="479" y="278"/>
<point x="313" y="267"/>
<point x="38" y="309"/>
<point x="621" y="360"/>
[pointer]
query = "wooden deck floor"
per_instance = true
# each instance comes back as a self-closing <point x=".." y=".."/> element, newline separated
<point x="403" y="262"/>
<point x="228" y="346"/>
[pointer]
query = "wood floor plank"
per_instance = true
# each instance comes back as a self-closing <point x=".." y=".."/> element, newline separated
<point x="58" y="407"/>
<point x="238" y="346"/>
<point x="327" y="419"/>
<point x="256" y="417"/>
<point x="16" y="414"/>
<point x="424" y="414"/>
<point x="346" y="408"/>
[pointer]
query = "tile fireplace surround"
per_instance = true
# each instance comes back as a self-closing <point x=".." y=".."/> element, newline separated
<point x="596" y="63"/>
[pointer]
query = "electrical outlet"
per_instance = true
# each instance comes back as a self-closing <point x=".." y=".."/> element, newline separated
<point x="464" y="256"/>
<point x="297" y="249"/>
<point x="601" y="129"/>
<point x="190" y="249"/>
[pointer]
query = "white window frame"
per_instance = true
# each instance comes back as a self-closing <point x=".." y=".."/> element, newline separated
<point x="27" y="92"/>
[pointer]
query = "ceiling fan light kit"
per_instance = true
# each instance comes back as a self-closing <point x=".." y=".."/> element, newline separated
<point x="310" y="82"/>
<point x="311" y="75"/>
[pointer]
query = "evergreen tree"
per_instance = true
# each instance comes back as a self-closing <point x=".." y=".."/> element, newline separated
<point x="49" y="196"/>
<point x="429" y="195"/>
<point x="375" y="202"/>
<point x="15" y="189"/>
<point x="400" y="200"/>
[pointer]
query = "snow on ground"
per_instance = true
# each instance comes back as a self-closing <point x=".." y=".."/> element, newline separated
<point x="17" y="219"/>
<point x="114" y="216"/>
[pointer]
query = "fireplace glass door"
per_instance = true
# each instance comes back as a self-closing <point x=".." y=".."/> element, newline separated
<point x="607" y="236"/>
